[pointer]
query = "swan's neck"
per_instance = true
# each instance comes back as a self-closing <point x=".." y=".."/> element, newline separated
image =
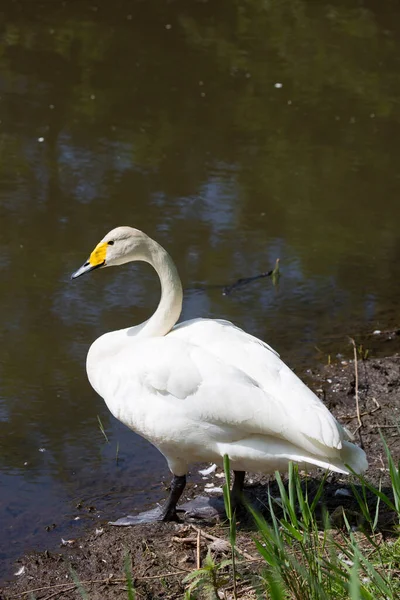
<point x="170" y="305"/>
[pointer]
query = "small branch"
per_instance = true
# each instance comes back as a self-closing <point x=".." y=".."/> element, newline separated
<point x="162" y="575"/>
<point x="213" y="538"/>
<point x="184" y="540"/>
<point x="356" y="384"/>
<point x="108" y="580"/>
<point x="364" y="414"/>
<point x="227" y="289"/>
<point x="54" y="594"/>
<point x="206" y="535"/>
<point x="384" y="426"/>
<point x="198" y="561"/>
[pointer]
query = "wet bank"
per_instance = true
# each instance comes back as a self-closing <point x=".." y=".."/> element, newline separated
<point x="162" y="554"/>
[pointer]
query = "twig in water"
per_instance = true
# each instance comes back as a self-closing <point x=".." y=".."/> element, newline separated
<point x="227" y="289"/>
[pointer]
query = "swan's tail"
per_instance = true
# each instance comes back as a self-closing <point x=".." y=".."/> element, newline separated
<point x="350" y="456"/>
<point x="266" y="455"/>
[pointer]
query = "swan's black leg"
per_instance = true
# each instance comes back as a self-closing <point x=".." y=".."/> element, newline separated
<point x="213" y="507"/>
<point x="237" y="489"/>
<point x="168" y="510"/>
<point x="201" y="507"/>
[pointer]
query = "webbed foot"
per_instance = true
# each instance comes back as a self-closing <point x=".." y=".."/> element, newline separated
<point x="204" y="507"/>
<point x="149" y="516"/>
<point x="166" y="512"/>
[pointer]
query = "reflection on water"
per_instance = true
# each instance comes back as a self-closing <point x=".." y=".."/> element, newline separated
<point x="234" y="134"/>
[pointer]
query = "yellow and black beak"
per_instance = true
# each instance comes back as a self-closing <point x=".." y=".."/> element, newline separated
<point x="96" y="260"/>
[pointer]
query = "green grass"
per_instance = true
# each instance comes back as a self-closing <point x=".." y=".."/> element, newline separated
<point x="306" y="558"/>
<point x="102" y="429"/>
<point x="129" y="578"/>
<point x="302" y="556"/>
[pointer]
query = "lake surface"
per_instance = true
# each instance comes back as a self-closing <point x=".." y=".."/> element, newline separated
<point x="234" y="133"/>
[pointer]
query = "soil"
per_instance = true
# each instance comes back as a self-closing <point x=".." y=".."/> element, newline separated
<point x="160" y="555"/>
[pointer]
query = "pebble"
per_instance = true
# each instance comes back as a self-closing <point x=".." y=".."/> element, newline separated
<point x="67" y="542"/>
<point x="214" y="490"/>
<point x="345" y="560"/>
<point x="342" y="492"/>
<point x="208" y="470"/>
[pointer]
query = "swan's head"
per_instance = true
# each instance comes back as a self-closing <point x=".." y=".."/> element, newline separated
<point x="119" y="246"/>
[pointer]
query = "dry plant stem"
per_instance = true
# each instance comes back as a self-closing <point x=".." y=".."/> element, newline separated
<point x="69" y="589"/>
<point x="242" y="590"/>
<point x="206" y="535"/>
<point x="356" y="384"/>
<point x="108" y="580"/>
<point x="213" y="538"/>
<point x="198" y="562"/>
<point x="171" y="574"/>
<point x="364" y="414"/>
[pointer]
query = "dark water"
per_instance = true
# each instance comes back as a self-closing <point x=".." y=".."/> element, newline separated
<point x="232" y="132"/>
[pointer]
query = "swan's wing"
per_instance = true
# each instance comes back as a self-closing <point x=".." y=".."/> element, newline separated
<point x="233" y="346"/>
<point x="257" y="359"/>
<point x="166" y="387"/>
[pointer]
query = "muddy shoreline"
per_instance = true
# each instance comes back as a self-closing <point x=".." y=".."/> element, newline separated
<point x="162" y="554"/>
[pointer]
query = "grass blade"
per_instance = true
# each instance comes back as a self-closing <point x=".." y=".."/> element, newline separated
<point x="102" y="429"/>
<point x="79" y="585"/>
<point x="129" y="578"/>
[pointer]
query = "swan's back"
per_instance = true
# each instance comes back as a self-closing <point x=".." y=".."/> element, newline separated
<point x="261" y="363"/>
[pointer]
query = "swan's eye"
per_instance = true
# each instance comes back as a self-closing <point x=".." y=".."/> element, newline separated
<point x="111" y="243"/>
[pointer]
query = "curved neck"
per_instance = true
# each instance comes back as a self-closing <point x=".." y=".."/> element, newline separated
<point x="170" y="305"/>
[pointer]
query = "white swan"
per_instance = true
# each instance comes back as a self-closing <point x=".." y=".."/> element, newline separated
<point x="205" y="388"/>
